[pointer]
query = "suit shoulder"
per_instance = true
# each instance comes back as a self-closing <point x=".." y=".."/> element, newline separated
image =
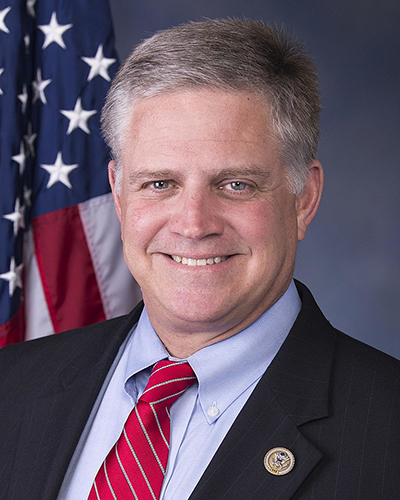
<point x="317" y="330"/>
<point x="366" y="378"/>
<point x="364" y="354"/>
<point x="43" y="357"/>
<point x="59" y="340"/>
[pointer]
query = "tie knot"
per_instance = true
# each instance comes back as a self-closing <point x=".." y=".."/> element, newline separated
<point x="168" y="381"/>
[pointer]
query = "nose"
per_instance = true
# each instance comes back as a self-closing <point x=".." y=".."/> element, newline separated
<point x="197" y="216"/>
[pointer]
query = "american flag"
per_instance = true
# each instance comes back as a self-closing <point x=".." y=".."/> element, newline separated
<point x="61" y="263"/>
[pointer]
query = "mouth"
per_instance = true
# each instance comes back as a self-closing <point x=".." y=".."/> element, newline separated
<point x="208" y="261"/>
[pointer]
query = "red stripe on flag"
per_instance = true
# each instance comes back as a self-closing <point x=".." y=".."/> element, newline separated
<point x="14" y="330"/>
<point x="66" y="270"/>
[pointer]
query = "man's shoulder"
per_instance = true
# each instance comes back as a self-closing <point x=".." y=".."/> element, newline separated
<point x="342" y="344"/>
<point x="48" y="355"/>
<point x="360" y="361"/>
<point x="352" y="367"/>
<point x="60" y="340"/>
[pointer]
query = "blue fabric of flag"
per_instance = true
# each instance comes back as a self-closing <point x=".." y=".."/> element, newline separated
<point x="56" y="62"/>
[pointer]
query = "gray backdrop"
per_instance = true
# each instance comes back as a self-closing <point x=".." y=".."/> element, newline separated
<point x="351" y="256"/>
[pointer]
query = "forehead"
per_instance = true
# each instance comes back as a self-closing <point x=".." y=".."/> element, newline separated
<point x="204" y="109"/>
<point x="200" y="127"/>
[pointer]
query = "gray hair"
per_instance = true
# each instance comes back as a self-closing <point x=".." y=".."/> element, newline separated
<point x="231" y="55"/>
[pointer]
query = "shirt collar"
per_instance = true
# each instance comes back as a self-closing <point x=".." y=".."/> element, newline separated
<point x="225" y="369"/>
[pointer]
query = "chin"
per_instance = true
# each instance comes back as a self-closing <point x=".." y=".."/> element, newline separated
<point x="192" y="310"/>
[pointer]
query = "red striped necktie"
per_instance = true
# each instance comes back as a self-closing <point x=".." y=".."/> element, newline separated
<point x="135" y="467"/>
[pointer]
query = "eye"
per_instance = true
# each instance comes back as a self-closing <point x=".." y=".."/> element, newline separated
<point x="160" y="185"/>
<point x="237" y="189"/>
<point x="164" y="187"/>
<point x="237" y="186"/>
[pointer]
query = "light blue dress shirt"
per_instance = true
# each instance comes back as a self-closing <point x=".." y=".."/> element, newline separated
<point x="227" y="373"/>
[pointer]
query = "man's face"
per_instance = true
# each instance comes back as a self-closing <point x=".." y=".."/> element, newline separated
<point x="209" y="225"/>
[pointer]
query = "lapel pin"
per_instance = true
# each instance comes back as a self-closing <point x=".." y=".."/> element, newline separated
<point x="279" y="461"/>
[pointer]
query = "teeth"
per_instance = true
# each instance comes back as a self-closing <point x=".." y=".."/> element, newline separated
<point x="198" y="262"/>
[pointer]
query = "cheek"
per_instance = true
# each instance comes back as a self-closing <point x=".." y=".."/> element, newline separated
<point x="140" y="222"/>
<point x="255" y="223"/>
<point x="268" y="228"/>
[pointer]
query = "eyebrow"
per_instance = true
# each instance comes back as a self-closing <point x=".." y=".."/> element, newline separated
<point x="150" y="174"/>
<point x="245" y="171"/>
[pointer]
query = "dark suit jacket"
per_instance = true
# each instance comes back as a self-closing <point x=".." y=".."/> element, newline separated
<point x="331" y="400"/>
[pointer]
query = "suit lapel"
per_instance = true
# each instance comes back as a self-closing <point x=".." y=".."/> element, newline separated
<point x="237" y="470"/>
<point x="67" y="398"/>
<point x="293" y="392"/>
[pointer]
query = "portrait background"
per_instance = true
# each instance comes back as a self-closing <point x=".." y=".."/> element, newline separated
<point x="351" y="256"/>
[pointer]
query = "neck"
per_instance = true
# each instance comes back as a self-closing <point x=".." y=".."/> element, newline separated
<point x="182" y="338"/>
<point x="182" y="346"/>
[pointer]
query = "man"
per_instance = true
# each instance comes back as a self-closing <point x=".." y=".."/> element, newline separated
<point x="213" y="128"/>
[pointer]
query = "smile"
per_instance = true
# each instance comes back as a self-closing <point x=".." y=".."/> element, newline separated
<point x="186" y="261"/>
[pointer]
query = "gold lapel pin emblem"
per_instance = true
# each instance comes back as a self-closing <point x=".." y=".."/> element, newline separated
<point x="279" y="461"/>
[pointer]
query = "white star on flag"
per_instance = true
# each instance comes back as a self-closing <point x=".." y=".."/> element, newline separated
<point x="23" y="97"/>
<point x="1" y="71"/>
<point x="78" y="117"/>
<point x="59" y="172"/>
<point x="13" y="276"/>
<point x="99" y="65"/>
<point x="54" y="32"/>
<point x="38" y="86"/>
<point x="30" y="7"/>
<point x="20" y="158"/>
<point x="16" y="217"/>
<point x="3" y="14"/>
<point x="30" y="138"/>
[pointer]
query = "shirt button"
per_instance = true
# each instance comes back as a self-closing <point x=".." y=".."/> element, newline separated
<point x="213" y="411"/>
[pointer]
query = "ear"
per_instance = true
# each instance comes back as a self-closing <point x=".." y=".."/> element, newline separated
<point x="307" y="202"/>
<point x="116" y="196"/>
